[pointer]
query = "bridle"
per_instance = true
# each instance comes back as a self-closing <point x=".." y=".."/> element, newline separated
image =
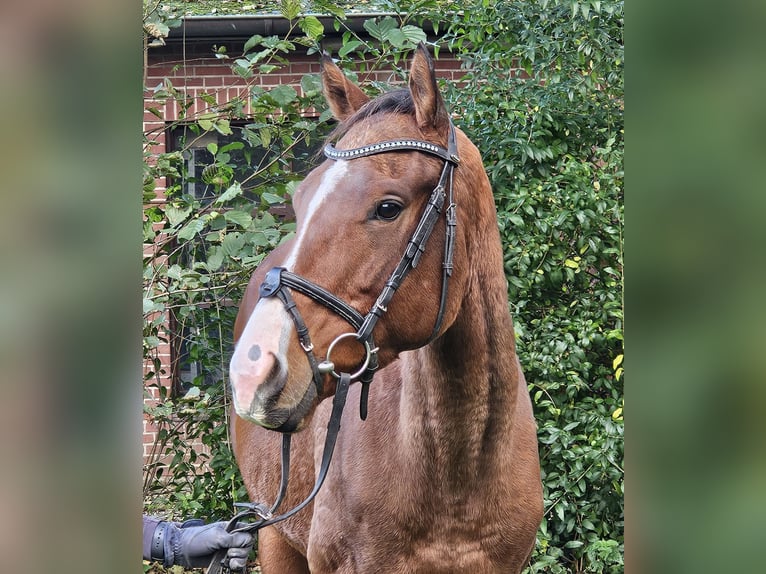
<point x="279" y="282"/>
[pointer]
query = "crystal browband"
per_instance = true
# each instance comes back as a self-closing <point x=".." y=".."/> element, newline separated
<point x="386" y="146"/>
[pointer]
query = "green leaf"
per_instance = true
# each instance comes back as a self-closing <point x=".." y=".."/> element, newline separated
<point x="312" y="27"/>
<point x="241" y="218"/>
<point x="311" y="84"/>
<point x="191" y="229"/>
<point x="232" y="244"/>
<point x="271" y="198"/>
<point x="379" y="29"/>
<point x="290" y="187"/>
<point x="214" y="258"/>
<point x="265" y="136"/>
<point x="372" y="29"/>
<point x="232" y="146"/>
<point x="258" y="238"/>
<point x="156" y="112"/>
<point x="223" y="127"/>
<point x="175" y="215"/>
<point x="234" y="190"/>
<point x="152" y="306"/>
<point x="290" y="8"/>
<point x="516" y="219"/>
<point x="349" y="47"/>
<point x="572" y="264"/>
<point x="396" y="37"/>
<point x="283" y="95"/>
<point x="242" y="63"/>
<point x="252" y="42"/>
<point x="414" y="34"/>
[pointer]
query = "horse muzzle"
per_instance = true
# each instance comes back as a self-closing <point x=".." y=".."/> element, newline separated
<point x="263" y="393"/>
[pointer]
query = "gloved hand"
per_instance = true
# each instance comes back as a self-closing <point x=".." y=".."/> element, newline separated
<point x="193" y="543"/>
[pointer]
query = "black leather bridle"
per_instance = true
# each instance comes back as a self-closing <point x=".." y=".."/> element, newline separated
<point x="279" y="282"/>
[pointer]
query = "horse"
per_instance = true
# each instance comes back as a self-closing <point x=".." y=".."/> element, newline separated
<point x="395" y="277"/>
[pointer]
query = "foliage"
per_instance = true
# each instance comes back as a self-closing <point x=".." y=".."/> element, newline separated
<point x="212" y="226"/>
<point x="542" y="98"/>
<point x="239" y="7"/>
<point x="217" y="218"/>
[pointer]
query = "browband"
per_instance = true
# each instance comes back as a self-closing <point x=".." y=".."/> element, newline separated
<point x="396" y="145"/>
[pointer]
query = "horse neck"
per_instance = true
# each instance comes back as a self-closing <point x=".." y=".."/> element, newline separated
<point x="461" y="389"/>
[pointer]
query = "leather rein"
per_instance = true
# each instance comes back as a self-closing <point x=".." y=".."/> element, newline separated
<point x="279" y="282"/>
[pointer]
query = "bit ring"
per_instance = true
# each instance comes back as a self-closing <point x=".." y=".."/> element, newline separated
<point x="327" y="366"/>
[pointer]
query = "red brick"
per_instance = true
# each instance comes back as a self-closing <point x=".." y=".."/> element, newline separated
<point x="214" y="81"/>
<point x="300" y="68"/>
<point x="212" y="70"/>
<point x="447" y="64"/>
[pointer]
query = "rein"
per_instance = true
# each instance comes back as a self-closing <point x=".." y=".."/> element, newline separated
<point x="278" y="283"/>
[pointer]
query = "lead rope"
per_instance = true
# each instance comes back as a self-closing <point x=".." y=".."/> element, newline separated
<point x="259" y="511"/>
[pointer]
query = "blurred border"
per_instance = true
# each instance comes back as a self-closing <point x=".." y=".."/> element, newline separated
<point x="70" y="413"/>
<point x="696" y="279"/>
<point x="70" y="315"/>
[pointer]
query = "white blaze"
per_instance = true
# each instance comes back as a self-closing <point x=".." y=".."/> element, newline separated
<point x="270" y="327"/>
<point x="329" y="182"/>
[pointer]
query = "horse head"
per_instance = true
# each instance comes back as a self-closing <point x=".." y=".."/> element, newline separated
<point x="357" y="216"/>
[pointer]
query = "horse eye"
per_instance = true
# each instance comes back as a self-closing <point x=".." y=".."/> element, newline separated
<point x="388" y="210"/>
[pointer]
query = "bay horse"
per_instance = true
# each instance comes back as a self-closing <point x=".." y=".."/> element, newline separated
<point x="398" y="222"/>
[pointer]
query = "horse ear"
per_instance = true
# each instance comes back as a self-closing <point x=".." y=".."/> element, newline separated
<point x="343" y="96"/>
<point x="430" y="111"/>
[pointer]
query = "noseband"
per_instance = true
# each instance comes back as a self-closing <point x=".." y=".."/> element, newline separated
<point x="278" y="283"/>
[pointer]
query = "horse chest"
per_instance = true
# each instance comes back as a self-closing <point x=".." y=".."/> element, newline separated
<point x="395" y="525"/>
<point x="442" y="547"/>
<point x="407" y="509"/>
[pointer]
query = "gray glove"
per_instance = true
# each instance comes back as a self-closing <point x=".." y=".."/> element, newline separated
<point x="193" y="543"/>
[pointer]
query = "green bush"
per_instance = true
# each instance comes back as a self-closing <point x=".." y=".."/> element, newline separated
<point x="543" y="100"/>
<point x="542" y="97"/>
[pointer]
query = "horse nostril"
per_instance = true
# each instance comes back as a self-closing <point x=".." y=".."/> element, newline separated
<point x="273" y="383"/>
<point x="257" y="378"/>
<point x="254" y="353"/>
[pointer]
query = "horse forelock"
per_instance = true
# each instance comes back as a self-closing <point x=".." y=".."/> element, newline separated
<point x="397" y="101"/>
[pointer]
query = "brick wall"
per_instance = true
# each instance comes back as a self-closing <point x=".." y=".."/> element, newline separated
<point x="192" y="67"/>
